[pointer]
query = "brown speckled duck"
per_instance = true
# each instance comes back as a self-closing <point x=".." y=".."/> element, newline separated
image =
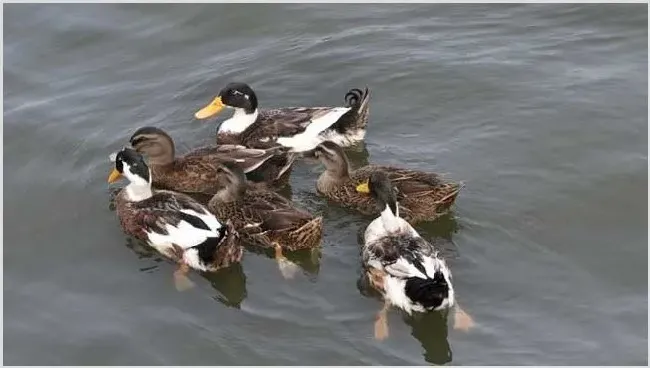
<point x="421" y="196"/>
<point x="265" y="218"/>
<point x="196" y="172"/>
<point x="297" y="128"/>
<point x="174" y="224"/>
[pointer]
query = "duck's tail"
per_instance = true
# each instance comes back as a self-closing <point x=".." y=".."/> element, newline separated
<point x="431" y="293"/>
<point x="450" y="193"/>
<point x="311" y="233"/>
<point x="357" y="118"/>
<point x="307" y="236"/>
<point x="221" y="252"/>
<point x="274" y="172"/>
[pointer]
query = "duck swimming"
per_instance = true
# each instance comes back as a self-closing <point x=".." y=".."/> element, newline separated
<point x="405" y="268"/>
<point x="196" y="171"/>
<point x="265" y="218"/>
<point x="421" y="196"/>
<point x="297" y="128"/>
<point x="173" y="223"/>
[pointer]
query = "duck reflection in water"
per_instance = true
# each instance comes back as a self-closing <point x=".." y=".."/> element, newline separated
<point x="430" y="329"/>
<point x="230" y="282"/>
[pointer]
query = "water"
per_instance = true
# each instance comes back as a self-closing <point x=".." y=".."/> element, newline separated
<point x="540" y="109"/>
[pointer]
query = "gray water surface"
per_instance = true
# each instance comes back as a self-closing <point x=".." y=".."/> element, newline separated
<point x="540" y="109"/>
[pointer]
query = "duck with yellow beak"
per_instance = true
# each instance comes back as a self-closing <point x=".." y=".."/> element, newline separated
<point x="299" y="128"/>
<point x="421" y="196"/>
<point x="172" y="223"/>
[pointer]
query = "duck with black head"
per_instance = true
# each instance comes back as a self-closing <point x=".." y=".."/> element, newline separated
<point x="297" y="128"/>
<point x="173" y="223"/>
<point x="405" y="268"/>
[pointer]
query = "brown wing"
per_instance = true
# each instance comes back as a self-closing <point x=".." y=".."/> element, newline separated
<point x="282" y="122"/>
<point x="248" y="159"/>
<point x="196" y="174"/>
<point x="422" y="196"/>
<point x="409" y="183"/>
<point x="273" y="212"/>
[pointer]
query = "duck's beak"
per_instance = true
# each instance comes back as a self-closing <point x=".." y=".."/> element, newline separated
<point x="114" y="176"/>
<point x="363" y="188"/>
<point x="212" y="109"/>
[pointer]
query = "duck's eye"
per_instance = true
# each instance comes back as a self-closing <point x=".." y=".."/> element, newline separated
<point x="237" y="93"/>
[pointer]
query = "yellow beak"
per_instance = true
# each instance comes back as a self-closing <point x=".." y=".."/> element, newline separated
<point x="363" y="188"/>
<point x="114" y="176"/>
<point x="212" y="109"/>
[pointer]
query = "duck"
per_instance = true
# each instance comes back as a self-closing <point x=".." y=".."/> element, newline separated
<point x="195" y="172"/>
<point x="403" y="267"/>
<point x="298" y="128"/>
<point x="422" y="196"/>
<point x="174" y="224"/>
<point x="265" y="218"/>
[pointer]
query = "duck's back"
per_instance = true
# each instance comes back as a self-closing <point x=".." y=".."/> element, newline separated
<point x="422" y="196"/>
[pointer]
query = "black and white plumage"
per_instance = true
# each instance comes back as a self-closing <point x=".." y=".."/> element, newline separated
<point x="173" y="223"/>
<point x="300" y="129"/>
<point x="403" y="266"/>
<point x="416" y="279"/>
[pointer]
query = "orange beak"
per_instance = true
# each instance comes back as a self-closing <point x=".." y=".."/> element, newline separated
<point x="114" y="176"/>
<point x="212" y="109"/>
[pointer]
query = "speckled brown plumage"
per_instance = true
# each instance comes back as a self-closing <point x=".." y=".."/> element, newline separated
<point x="264" y="217"/>
<point x="421" y="196"/>
<point x="196" y="171"/>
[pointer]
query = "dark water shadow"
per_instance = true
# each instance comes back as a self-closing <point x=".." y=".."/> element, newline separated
<point x="230" y="283"/>
<point x="306" y="259"/>
<point x="444" y="226"/>
<point x="430" y="328"/>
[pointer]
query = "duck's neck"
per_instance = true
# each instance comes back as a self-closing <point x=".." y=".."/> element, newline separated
<point x="136" y="192"/>
<point x="330" y="181"/>
<point x="238" y="122"/>
<point x="336" y="172"/>
<point x="389" y="219"/>
<point x="230" y="194"/>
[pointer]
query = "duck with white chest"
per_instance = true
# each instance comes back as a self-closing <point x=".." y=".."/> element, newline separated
<point x="299" y="128"/>
<point x="405" y="268"/>
<point x="173" y="223"/>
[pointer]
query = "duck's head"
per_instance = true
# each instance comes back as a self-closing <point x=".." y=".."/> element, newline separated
<point x="154" y="143"/>
<point x="332" y="156"/>
<point x="381" y="189"/>
<point x="234" y="95"/>
<point x="231" y="181"/>
<point x="130" y="164"/>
